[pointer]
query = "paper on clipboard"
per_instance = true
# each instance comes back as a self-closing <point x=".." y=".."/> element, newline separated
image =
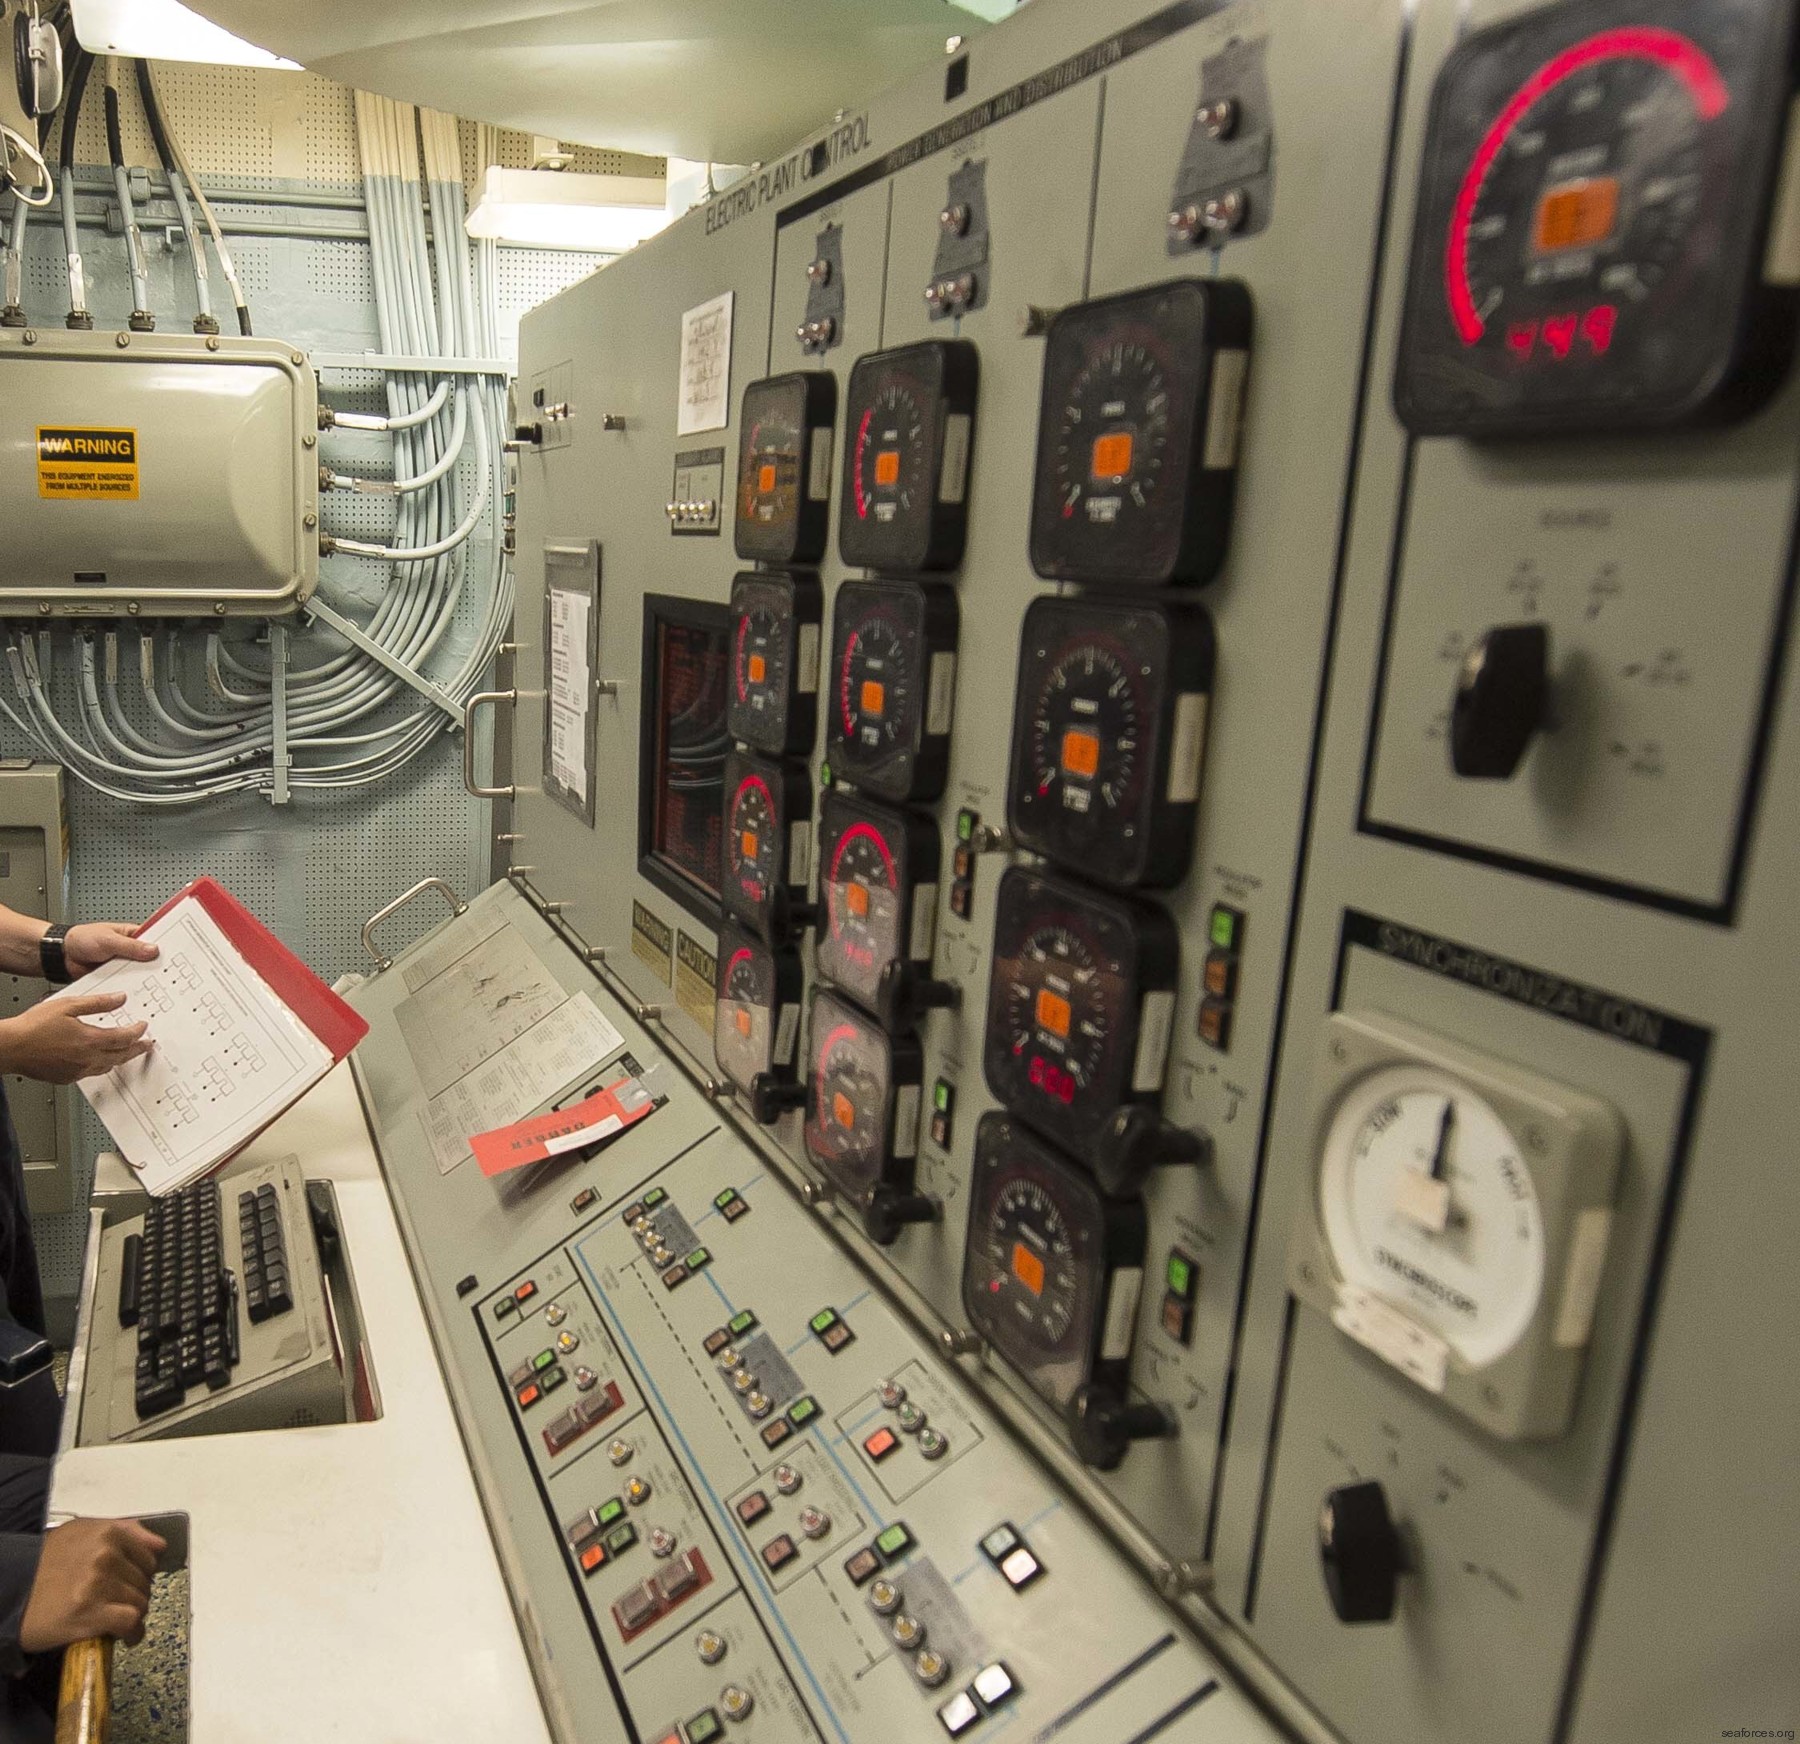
<point x="228" y="1055"/>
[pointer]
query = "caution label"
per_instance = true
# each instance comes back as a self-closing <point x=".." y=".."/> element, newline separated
<point x="87" y="463"/>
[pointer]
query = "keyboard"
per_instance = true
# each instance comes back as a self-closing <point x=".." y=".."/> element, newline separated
<point x="176" y="1288"/>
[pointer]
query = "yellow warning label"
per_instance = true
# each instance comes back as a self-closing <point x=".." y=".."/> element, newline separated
<point x="87" y="463"/>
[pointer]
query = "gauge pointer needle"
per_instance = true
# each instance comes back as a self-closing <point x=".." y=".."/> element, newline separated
<point x="1423" y="1196"/>
<point x="1443" y="1141"/>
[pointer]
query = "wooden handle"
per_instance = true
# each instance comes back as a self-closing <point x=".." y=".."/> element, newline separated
<point x="84" y="1703"/>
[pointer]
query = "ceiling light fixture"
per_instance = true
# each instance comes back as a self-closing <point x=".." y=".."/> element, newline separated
<point x="562" y="209"/>
<point x="165" y="30"/>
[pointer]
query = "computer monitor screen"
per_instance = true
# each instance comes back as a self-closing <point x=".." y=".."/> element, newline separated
<point x="685" y="743"/>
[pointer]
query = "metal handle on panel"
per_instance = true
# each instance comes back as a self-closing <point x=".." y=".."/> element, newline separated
<point x="469" y="708"/>
<point x="457" y="906"/>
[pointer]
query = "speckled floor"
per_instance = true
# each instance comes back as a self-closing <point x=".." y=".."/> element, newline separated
<point x="150" y="1681"/>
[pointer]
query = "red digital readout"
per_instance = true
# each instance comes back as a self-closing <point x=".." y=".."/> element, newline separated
<point x="1052" y="1079"/>
<point x="1556" y="335"/>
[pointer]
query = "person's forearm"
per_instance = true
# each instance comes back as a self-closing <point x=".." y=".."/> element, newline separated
<point x="19" y="935"/>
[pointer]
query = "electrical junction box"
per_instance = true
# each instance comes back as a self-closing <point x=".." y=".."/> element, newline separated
<point x="34" y="880"/>
<point x="173" y="475"/>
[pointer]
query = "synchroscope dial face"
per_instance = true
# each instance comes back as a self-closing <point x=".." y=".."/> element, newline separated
<point x="754" y="838"/>
<point x="890" y="455"/>
<point x="774" y="661"/>
<point x="1586" y="249"/>
<point x="877" y="685"/>
<point x="1044" y="1258"/>
<point x="784" y="467"/>
<point x="756" y="1014"/>
<point x="865" y="907"/>
<point x="863" y="1104"/>
<point x="892" y="686"/>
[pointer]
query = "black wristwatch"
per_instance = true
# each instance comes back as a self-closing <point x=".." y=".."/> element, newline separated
<point x="51" y="957"/>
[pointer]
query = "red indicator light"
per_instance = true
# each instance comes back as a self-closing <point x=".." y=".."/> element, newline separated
<point x="1559" y="334"/>
<point x="1597" y="327"/>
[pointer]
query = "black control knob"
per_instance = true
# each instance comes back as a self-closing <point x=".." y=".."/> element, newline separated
<point x="1502" y="698"/>
<point x="772" y="1097"/>
<point x="903" y="996"/>
<point x="887" y="1211"/>
<point x="1135" y="1141"/>
<point x="1103" y="1425"/>
<point x="1360" y="1553"/>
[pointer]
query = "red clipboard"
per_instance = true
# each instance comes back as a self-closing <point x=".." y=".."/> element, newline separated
<point x="337" y="1028"/>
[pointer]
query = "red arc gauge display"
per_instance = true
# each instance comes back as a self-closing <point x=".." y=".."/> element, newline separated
<point x="862" y="1113"/>
<point x="1592" y="221"/>
<point x="878" y="890"/>
<point x="773" y="705"/>
<point x="784" y="467"/>
<point x="767" y="842"/>
<point x="756" y="1017"/>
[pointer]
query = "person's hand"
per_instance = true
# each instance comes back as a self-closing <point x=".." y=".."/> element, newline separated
<point x="52" y="1044"/>
<point x="88" y="946"/>
<point x="93" y="1578"/>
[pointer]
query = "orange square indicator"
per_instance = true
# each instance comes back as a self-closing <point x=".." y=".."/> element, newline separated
<point x="1112" y="454"/>
<point x="874" y="696"/>
<point x="856" y="899"/>
<point x="759" y="669"/>
<point x="1577" y="214"/>
<point x="1080" y="753"/>
<point x="592" y="1558"/>
<point x="843" y="1110"/>
<point x="1028" y="1268"/>
<point x="765" y="478"/>
<point x="1053" y="1013"/>
<point x="740" y="1020"/>
<point x="887" y="468"/>
<point x="747" y="844"/>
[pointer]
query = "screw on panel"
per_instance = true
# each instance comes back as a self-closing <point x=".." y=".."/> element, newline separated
<point x="309" y="440"/>
<point x="309" y="519"/>
<point x="218" y="608"/>
<point x="121" y="340"/>
<point x="298" y="358"/>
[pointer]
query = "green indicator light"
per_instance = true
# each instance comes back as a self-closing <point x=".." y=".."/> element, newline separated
<point x="1181" y="1275"/>
<point x="610" y="1510"/>
<point x="1223" y="928"/>
<point x="824" y="774"/>
<point x="698" y="1258"/>
<point x="621" y="1538"/>
<point x="551" y="1379"/>
<point x="803" y="1411"/>
<point x="823" y="1321"/>
<point x="543" y="1359"/>
<point x="740" y="1323"/>
<point x="965" y="825"/>
<point x="894" y="1540"/>
<point x="940" y="1096"/>
<point x="654" y="1197"/>
<point x="721" y="1200"/>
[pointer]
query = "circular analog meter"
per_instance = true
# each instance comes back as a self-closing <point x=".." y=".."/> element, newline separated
<point x="1080" y="1005"/>
<point x="862" y="1116"/>
<point x="1052" y="1269"/>
<point x="1137" y="434"/>
<point x="892" y="687"/>
<point x="773" y="703"/>
<point x="768" y="842"/>
<point x="784" y="467"/>
<point x="878" y="891"/>
<point x="1591" y="229"/>
<point x="1109" y="732"/>
<point x="756" y="1017"/>
<point x="910" y="417"/>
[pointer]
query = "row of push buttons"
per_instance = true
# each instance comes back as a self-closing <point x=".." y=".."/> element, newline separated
<point x="509" y="1305"/>
<point x="992" y="1688"/>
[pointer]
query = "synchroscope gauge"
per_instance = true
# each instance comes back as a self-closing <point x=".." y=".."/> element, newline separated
<point x="784" y="467"/>
<point x="1592" y="224"/>
<point x="756" y="1016"/>
<point x="768" y="844"/>
<point x="877" y="891"/>
<point x="1138" y="434"/>
<point x="1109" y="732"/>
<point x="1052" y="1268"/>
<point x="892" y="687"/>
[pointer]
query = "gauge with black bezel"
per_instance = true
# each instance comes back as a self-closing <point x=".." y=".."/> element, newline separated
<point x="1109" y="732"/>
<point x="891" y="687"/>
<point x="1052" y="1268"/>
<point x="768" y="843"/>
<point x="1594" y="220"/>
<point x="1080" y="1004"/>
<point x="1138" y="434"/>
<point x="784" y="467"/>
<point x="773" y="705"/>
<point x="909" y="426"/>
<point x="878" y="889"/>
<point x="756" y="1017"/>
<point x="862" y="1116"/>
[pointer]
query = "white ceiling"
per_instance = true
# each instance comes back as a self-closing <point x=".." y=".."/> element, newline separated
<point x="730" y="81"/>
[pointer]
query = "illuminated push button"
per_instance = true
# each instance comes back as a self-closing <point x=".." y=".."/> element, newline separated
<point x="737" y="1702"/>
<point x="881" y="1444"/>
<point x="583" y="1200"/>
<point x="910" y="1418"/>
<point x="775" y="1432"/>
<point x="525" y="1291"/>
<point x="662" y="1541"/>
<point x="893" y="1542"/>
<point x="585" y="1379"/>
<point x="529" y="1395"/>
<point x="710" y="1647"/>
<point x="543" y="1359"/>
<point x="611" y="1511"/>
<point x="908" y="1633"/>
<point x="654" y="1198"/>
<point x="520" y="1375"/>
<point x="993" y="1685"/>
<point x="931" y="1668"/>
<point x="621" y="1538"/>
<point x="620" y="1451"/>
<point x="637" y="1492"/>
<point x="958" y="1714"/>
<point x="715" y="1341"/>
<point x="803" y="1410"/>
<point x="699" y="1258"/>
<point x="814" y="1522"/>
<point x="567" y="1342"/>
<point x="862" y="1567"/>
<point x="787" y="1479"/>
<point x="933" y="1445"/>
<point x="779" y="1552"/>
<point x="740" y="1323"/>
<point x="704" y="1727"/>
<point x="1020" y="1568"/>
<point x="583" y="1527"/>
<point x="593" y="1558"/>
<point x="892" y="1395"/>
<point x="884" y="1598"/>
<point x="505" y="1306"/>
<point x="555" y="1314"/>
<point x="552" y="1378"/>
<point x="753" y="1507"/>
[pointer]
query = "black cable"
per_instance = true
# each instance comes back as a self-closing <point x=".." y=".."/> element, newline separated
<point x="115" y="142"/>
<point x="84" y="64"/>
<point x="159" y="134"/>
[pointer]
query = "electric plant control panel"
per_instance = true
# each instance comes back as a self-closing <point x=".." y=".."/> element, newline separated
<point x="1208" y="900"/>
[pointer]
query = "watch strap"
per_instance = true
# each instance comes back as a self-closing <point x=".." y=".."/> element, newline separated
<point x="51" y="957"/>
